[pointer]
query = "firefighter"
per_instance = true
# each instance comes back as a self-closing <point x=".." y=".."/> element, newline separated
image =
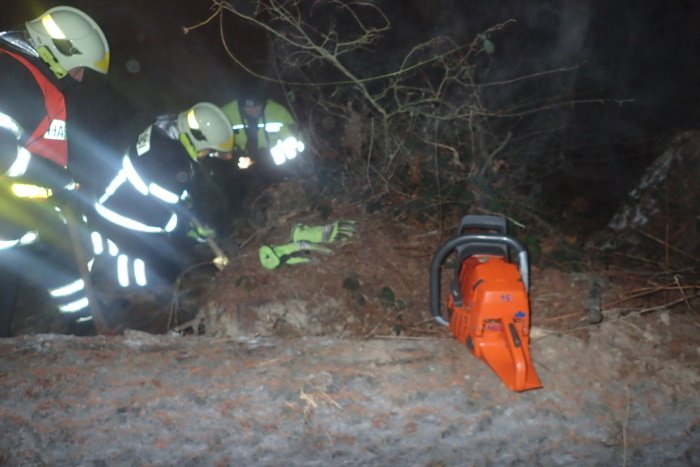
<point x="266" y="138"/>
<point x="142" y="212"/>
<point x="37" y="65"/>
<point x="264" y="130"/>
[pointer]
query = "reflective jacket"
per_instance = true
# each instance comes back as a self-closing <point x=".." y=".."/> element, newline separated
<point x="33" y="160"/>
<point x="146" y="192"/>
<point x="33" y="145"/>
<point x="275" y="124"/>
<point x="48" y="138"/>
<point x="13" y="232"/>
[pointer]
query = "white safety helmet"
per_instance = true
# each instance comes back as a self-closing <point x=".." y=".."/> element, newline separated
<point x="67" y="38"/>
<point x="207" y="127"/>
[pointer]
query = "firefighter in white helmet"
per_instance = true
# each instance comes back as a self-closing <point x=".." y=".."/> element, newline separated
<point x="143" y="211"/>
<point x="34" y="63"/>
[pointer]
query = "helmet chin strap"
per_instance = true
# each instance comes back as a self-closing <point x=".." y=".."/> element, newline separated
<point x="46" y="55"/>
<point x="187" y="144"/>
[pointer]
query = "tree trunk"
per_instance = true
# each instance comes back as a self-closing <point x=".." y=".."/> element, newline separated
<point x="169" y="400"/>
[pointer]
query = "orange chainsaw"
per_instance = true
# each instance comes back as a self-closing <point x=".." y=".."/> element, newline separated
<point x="488" y="305"/>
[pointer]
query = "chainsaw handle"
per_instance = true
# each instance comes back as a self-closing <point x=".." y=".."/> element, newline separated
<point x="446" y="248"/>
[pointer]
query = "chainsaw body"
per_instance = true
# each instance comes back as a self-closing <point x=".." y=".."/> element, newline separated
<point x="488" y="305"/>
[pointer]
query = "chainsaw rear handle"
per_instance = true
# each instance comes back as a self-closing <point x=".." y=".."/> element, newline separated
<point x="447" y="248"/>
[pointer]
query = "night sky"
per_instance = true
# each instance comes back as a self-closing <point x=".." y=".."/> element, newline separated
<point x="645" y="51"/>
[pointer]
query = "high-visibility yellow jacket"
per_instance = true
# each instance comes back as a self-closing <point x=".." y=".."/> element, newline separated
<point x="275" y="124"/>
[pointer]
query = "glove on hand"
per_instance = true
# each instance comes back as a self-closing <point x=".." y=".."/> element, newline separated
<point x="337" y="231"/>
<point x="220" y="262"/>
<point x="201" y="233"/>
<point x="272" y="256"/>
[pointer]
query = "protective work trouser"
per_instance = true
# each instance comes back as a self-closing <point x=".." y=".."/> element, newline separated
<point x="128" y="269"/>
<point x="9" y="286"/>
<point x="47" y="268"/>
<point x="65" y="286"/>
<point x="48" y="262"/>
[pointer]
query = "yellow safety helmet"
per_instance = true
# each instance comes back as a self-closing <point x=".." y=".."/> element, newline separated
<point x="206" y="127"/>
<point x="67" y="38"/>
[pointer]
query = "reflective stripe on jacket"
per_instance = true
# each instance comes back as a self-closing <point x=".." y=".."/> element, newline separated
<point x="273" y="124"/>
<point x="145" y="195"/>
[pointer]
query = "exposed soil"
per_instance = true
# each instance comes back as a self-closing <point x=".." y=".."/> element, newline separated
<point x="338" y="362"/>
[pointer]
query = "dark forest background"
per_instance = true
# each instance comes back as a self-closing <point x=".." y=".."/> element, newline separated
<point x="631" y="78"/>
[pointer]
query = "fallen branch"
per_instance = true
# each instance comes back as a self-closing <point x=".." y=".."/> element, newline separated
<point x="620" y="316"/>
<point x="408" y="338"/>
<point x="668" y="246"/>
<point x="646" y="291"/>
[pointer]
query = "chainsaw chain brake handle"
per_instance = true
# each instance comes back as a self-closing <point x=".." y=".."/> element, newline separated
<point x="462" y="240"/>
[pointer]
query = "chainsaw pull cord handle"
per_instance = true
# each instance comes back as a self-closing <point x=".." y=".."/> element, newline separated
<point x="446" y="248"/>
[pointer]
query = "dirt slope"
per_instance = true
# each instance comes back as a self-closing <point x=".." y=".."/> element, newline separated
<point x="337" y="362"/>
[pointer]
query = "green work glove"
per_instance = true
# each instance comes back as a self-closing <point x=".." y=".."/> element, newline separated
<point x="200" y="233"/>
<point x="337" y="231"/>
<point x="273" y="256"/>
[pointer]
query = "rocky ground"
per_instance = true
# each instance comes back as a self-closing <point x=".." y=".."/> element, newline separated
<point x="338" y="362"/>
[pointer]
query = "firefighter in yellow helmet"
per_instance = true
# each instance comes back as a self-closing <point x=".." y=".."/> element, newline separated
<point x="142" y="212"/>
<point x="34" y="130"/>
